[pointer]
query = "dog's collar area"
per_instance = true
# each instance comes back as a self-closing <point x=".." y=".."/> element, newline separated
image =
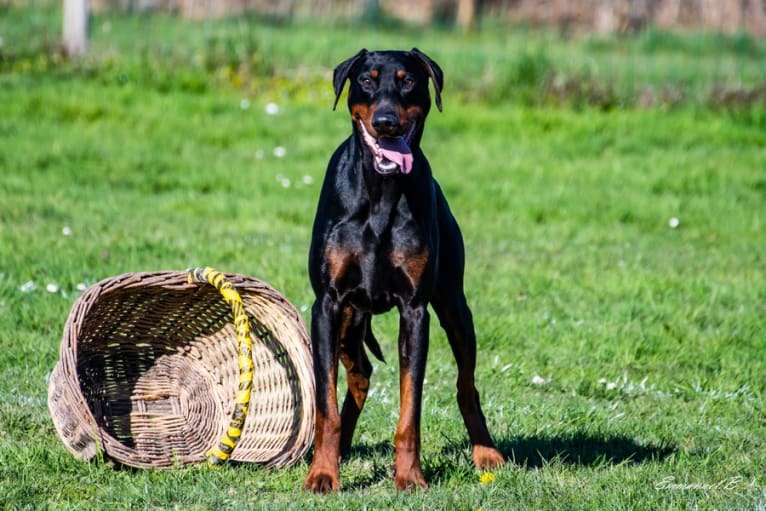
<point x="390" y="154"/>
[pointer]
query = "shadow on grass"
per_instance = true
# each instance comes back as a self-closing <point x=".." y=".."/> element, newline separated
<point x="384" y="448"/>
<point x="372" y="464"/>
<point x="581" y="449"/>
<point x="525" y="452"/>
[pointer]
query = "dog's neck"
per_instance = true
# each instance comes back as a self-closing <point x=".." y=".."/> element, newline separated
<point x="381" y="193"/>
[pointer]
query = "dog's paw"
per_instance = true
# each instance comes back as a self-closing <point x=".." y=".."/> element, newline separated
<point x="486" y="458"/>
<point x="322" y="481"/>
<point x="407" y="474"/>
<point x="411" y="481"/>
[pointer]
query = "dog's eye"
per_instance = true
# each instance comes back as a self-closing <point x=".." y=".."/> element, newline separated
<point x="365" y="81"/>
<point x="408" y="82"/>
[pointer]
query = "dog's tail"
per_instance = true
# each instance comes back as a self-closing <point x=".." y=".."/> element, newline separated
<point x="371" y="341"/>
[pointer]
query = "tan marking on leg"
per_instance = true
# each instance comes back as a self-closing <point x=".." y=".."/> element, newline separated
<point x="324" y="474"/>
<point x="408" y="474"/>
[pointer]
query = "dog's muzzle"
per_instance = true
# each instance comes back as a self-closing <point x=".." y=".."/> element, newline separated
<point x="390" y="154"/>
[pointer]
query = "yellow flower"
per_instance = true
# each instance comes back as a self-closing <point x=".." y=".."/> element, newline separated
<point x="486" y="478"/>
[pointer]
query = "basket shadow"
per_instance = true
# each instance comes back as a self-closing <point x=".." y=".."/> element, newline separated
<point x="581" y="449"/>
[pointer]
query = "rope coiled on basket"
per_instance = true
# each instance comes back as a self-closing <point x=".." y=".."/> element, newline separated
<point x="228" y="442"/>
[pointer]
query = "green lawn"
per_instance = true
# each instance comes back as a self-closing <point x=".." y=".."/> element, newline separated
<point x="621" y="360"/>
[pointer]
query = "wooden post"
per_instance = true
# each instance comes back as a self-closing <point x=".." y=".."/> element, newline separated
<point x="75" y="27"/>
<point x="466" y="14"/>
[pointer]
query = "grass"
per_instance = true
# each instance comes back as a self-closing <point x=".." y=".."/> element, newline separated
<point x="621" y="360"/>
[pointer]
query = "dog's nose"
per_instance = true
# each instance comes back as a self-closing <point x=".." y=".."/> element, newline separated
<point x="385" y="122"/>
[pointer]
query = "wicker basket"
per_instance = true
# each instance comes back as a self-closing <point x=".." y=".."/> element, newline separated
<point x="149" y="373"/>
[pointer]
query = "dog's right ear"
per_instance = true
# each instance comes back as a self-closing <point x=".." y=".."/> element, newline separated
<point x="340" y="75"/>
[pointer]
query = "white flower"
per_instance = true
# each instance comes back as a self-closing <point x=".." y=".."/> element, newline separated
<point x="307" y="180"/>
<point x="284" y="181"/>
<point x="66" y="230"/>
<point x="28" y="286"/>
<point x="538" y="380"/>
<point x="674" y="222"/>
<point x="244" y="104"/>
<point x="280" y="151"/>
<point x="81" y="286"/>
<point x="272" y="108"/>
<point x="52" y="288"/>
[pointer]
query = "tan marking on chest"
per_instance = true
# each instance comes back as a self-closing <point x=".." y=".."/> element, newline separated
<point x="413" y="265"/>
<point x="338" y="261"/>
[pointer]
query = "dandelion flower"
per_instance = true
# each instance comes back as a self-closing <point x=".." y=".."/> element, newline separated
<point x="487" y="478"/>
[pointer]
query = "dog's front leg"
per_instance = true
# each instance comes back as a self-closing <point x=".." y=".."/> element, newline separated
<point x="413" y="349"/>
<point x="324" y="474"/>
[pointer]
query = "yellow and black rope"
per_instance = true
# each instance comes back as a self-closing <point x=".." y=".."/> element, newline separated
<point x="231" y="437"/>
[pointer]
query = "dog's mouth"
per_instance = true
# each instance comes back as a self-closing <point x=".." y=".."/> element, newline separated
<point x="390" y="154"/>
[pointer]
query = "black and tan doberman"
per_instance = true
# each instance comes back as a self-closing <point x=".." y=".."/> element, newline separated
<point x="384" y="237"/>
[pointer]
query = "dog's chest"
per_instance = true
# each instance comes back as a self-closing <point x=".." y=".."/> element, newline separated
<point x="376" y="265"/>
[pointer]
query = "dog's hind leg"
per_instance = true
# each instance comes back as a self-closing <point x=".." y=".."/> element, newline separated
<point x="456" y="319"/>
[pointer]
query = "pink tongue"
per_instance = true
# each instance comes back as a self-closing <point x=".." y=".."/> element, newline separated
<point x="397" y="151"/>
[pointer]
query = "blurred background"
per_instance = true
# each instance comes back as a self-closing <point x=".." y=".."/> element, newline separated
<point x="604" y="53"/>
<point x="602" y="16"/>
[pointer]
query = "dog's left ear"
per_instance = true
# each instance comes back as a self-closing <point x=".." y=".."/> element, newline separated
<point x="435" y="72"/>
<point x="340" y="75"/>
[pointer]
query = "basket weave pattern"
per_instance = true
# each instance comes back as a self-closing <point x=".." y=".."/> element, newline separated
<point x="148" y="373"/>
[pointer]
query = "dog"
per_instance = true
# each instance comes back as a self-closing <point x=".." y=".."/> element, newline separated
<point x="384" y="237"/>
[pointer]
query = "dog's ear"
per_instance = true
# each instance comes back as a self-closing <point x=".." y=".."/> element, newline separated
<point x="435" y="72"/>
<point x="340" y="75"/>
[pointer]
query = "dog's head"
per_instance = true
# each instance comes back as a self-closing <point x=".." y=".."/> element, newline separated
<point x="389" y="100"/>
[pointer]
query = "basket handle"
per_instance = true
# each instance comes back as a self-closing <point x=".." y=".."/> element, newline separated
<point x="230" y="438"/>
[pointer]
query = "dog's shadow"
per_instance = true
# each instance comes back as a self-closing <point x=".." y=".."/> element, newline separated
<point x="530" y="453"/>
<point x="581" y="449"/>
